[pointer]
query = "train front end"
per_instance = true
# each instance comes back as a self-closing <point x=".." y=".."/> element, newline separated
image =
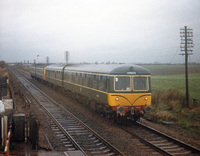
<point x="131" y="96"/>
<point x="130" y="106"/>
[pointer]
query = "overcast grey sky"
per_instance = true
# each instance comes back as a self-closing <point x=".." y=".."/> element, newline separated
<point x="130" y="31"/>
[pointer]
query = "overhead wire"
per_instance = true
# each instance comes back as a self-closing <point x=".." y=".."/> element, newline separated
<point x="174" y="56"/>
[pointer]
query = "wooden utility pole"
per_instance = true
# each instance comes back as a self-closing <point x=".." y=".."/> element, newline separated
<point x="67" y="57"/>
<point x="47" y="60"/>
<point x="186" y="35"/>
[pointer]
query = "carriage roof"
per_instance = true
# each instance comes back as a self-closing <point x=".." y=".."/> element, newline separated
<point x="113" y="69"/>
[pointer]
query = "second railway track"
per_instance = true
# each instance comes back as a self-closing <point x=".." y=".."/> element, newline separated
<point x="73" y="133"/>
<point x="159" y="141"/>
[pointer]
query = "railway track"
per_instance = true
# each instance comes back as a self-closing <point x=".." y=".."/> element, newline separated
<point x="73" y="133"/>
<point x="159" y="141"/>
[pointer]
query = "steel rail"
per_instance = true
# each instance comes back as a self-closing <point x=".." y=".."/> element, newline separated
<point x="146" y="142"/>
<point x="88" y="128"/>
<point x="64" y="131"/>
<point x="176" y="141"/>
<point x="47" y="112"/>
<point x="166" y="145"/>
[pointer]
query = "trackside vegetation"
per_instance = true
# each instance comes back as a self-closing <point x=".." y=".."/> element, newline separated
<point x="168" y="96"/>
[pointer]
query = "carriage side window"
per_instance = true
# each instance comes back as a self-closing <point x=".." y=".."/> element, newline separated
<point x="67" y="76"/>
<point x="101" y="83"/>
<point x="85" y="80"/>
<point x="140" y="83"/>
<point x="95" y="81"/>
<point x="80" y="78"/>
<point x="73" y="77"/>
<point x="89" y="80"/>
<point x="52" y="73"/>
<point x="106" y="83"/>
<point x="70" y="76"/>
<point x="76" y="77"/>
<point x="60" y="75"/>
<point x="122" y="83"/>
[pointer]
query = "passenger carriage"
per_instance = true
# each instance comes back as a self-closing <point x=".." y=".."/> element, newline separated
<point x="38" y="71"/>
<point x="119" y="91"/>
<point x="114" y="89"/>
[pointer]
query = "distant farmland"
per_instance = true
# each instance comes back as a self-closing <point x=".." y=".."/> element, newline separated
<point x="172" y="77"/>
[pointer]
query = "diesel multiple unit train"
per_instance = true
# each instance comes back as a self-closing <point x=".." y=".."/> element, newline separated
<point x="119" y="91"/>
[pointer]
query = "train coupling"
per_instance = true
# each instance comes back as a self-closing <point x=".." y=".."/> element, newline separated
<point x="135" y="111"/>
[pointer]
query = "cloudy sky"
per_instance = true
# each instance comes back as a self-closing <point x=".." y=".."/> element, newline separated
<point x="130" y="31"/>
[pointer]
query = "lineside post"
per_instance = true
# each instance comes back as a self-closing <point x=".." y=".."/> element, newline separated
<point x="7" y="146"/>
<point x="186" y="35"/>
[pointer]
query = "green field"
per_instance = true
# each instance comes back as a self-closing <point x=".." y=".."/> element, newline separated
<point x="172" y="77"/>
<point x="177" y="82"/>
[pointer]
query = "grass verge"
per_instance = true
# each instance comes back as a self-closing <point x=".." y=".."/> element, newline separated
<point x="168" y="106"/>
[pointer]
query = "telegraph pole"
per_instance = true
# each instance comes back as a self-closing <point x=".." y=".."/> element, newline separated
<point x="186" y="35"/>
<point x="47" y="59"/>
<point x="67" y="57"/>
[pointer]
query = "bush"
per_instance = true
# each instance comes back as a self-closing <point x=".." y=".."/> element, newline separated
<point x="168" y="106"/>
<point x="172" y="99"/>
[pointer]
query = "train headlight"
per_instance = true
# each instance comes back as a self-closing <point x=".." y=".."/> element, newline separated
<point x="116" y="98"/>
<point x="146" y="98"/>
